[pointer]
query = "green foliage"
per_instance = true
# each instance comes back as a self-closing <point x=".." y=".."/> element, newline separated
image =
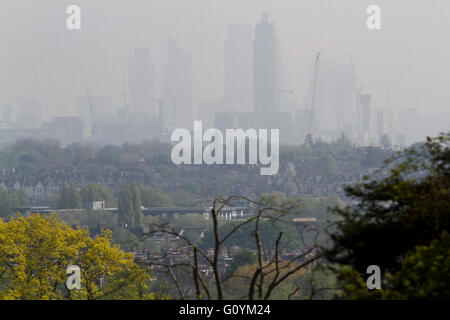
<point x="290" y="188"/>
<point x="35" y="252"/>
<point x="97" y="192"/>
<point x="190" y="221"/>
<point x="154" y="197"/>
<point x="244" y="236"/>
<point x="30" y="153"/>
<point x="182" y="198"/>
<point x="10" y="200"/>
<point x="392" y="216"/>
<point x="241" y="258"/>
<point x="69" y="198"/>
<point x="327" y="164"/>
<point x="424" y="273"/>
<point x="319" y="207"/>
<point x="130" y="206"/>
<point x="130" y="242"/>
<point x="306" y="284"/>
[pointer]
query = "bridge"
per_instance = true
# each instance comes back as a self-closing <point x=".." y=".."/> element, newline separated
<point x="228" y="213"/>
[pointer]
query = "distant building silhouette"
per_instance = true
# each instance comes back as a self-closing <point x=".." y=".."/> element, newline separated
<point x="177" y="87"/>
<point x="335" y="100"/>
<point x="65" y="129"/>
<point x="142" y="85"/>
<point x="266" y="66"/>
<point x="365" y="116"/>
<point x="239" y="68"/>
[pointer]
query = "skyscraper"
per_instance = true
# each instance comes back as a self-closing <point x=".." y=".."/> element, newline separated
<point x="266" y="66"/>
<point x="239" y="68"/>
<point x="177" y="85"/>
<point x="142" y="84"/>
<point x="334" y="102"/>
<point x="382" y="120"/>
<point x="365" y="116"/>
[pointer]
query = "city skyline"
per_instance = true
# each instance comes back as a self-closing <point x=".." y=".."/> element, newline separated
<point x="76" y="58"/>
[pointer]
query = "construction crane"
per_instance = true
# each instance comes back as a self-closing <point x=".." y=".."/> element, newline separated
<point x="358" y="91"/>
<point x="309" y="137"/>
<point x="91" y="107"/>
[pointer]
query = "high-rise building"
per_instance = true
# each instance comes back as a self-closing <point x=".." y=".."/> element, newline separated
<point x="142" y="85"/>
<point x="266" y="66"/>
<point x="239" y="68"/>
<point x="334" y="97"/>
<point x="177" y="86"/>
<point x="382" y="121"/>
<point x="365" y="115"/>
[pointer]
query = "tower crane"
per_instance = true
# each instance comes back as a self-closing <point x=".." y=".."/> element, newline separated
<point x="92" y="109"/>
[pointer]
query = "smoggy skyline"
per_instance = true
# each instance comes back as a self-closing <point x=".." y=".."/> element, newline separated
<point x="41" y="58"/>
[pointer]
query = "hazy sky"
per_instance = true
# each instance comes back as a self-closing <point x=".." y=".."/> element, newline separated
<point x="40" y="57"/>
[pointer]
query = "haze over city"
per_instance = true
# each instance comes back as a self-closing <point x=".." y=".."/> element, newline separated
<point x="198" y="150"/>
<point x="406" y="62"/>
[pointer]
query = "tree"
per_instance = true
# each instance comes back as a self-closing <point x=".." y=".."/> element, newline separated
<point x="395" y="222"/>
<point x="130" y="207"/>
<point x="69" y="197"/>
<point x="35" y="252"/>
<point x="9" y="200"/>
<point x="423" y="274"/>
<point x="130" y="242"/>
<point x="264" y="278"/>
<point x="97" y="192"/>
<point x="154" y="197"/>
<point x="243" y="237"/>
<point x="241" y="258"/>
<point x="326" y="164"/>
<point x="182" y="198"/>
<point x="290" y="188"/>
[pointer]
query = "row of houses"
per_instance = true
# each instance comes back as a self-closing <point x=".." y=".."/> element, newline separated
<point x="33" y="191"/>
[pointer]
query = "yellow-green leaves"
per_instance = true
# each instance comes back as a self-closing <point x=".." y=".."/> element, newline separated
<point x="35" y="252"/>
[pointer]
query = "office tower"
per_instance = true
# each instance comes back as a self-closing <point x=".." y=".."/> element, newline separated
<point x="142" y="85"/>
<point x="365" y="115"/>
<point x="382" y="121"/>
<point x="167" y="112"/>
<point x="177" y="86"/>
<point x="266" y="66"/>
<point x="334" y="100"/>
<point x="239" y="68"/>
